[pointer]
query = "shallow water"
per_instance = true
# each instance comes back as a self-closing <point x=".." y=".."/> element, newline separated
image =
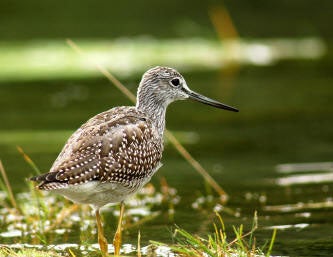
<point x="285" y="117"/>
<point x="47" y="91"/>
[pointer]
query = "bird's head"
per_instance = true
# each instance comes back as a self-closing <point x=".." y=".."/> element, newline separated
<point x="163" y="85"/>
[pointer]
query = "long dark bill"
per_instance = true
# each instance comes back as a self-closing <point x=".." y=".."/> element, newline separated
<point x="205" y="100"/>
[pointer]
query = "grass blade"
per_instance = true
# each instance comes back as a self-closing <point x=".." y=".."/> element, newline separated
<point x="9" y="190"/>
<point x="139" y="244"/>
<point x="28" y="160"/>
<point x="270" y="248"/>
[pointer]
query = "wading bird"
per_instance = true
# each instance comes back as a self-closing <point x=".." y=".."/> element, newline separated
<point x="116" y="152"/>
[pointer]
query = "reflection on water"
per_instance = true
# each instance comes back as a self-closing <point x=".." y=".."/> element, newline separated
<point x="293" y="226"/>
<point x="304" y="179"/>
<point x="314" y="173"/>
<point x="300" y="207"/>
<point x="304" y="167"/>
<point x="125" y="57"/>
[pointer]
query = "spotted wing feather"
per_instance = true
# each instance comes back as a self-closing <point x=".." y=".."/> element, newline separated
<point x="118" y="146"/>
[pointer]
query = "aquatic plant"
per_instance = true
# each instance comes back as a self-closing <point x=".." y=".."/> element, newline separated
<point x="217" y="245"/>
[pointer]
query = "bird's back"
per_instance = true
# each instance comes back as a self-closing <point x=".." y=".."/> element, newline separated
<point x="119" y="146"/>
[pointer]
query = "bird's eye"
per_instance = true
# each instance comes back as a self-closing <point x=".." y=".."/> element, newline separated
<point x="175" y="82"/>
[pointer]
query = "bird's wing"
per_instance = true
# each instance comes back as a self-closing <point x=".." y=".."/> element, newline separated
<point x="121" y="150"/>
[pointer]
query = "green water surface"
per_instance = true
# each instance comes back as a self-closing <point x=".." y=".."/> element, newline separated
<point x="285" y="116"/>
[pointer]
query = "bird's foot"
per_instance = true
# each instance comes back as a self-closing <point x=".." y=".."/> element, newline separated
<point x="103" y="244"/>
<point x="117" y="243"/>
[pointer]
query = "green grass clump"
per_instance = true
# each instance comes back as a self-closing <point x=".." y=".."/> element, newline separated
<point x="217" y="245"/>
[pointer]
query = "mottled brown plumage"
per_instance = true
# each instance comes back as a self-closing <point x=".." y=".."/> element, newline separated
<point x="118" y="145"/>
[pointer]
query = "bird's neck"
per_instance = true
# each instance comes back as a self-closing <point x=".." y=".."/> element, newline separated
<point x="155" y="111"/>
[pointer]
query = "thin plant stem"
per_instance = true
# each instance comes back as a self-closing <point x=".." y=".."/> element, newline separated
<point x="28" y="160"/>
<point x="254" y="226"/>
<point x="8" y="187"/>
<point x="139" y="244"/>
<point x="62" y="215"/>
<point x="195" y="164"/>
<point x="105" y="72"/>
<point x="270" y="248"/>
<point x="71" y="253"/>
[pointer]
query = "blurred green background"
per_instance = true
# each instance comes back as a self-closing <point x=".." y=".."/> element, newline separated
<point x="270" y="59"/>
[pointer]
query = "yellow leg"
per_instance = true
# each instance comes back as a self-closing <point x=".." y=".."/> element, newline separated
<point x="117" y="236"/>
<point x="103" y="244"/>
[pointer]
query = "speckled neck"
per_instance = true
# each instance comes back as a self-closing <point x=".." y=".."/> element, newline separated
<point x="154" y="109"/>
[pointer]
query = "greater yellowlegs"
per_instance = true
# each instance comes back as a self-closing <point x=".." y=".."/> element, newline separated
<point x="116" y="152"/>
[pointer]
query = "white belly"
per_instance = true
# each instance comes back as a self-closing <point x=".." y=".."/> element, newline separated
<point x="101" y="193"/>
